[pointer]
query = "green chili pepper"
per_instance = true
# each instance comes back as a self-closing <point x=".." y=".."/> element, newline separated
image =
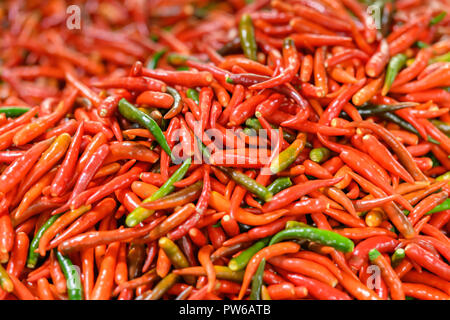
<point x="399" y="121"/>
<point x="73" y="280"/>
<point x="397" y="257"/>
<point x="373" y="254"/>
<point x="382" y="108"/>
<point x="12" y="112"/>
<point x="176" y="256"/>
<point x="434" y="160"/>
<point x="247" y="37"/>
<point x="241" y="261"/>
<point x="154" y="37"/>
<point x="177" y="59"/>
<point x="182" y="68"/>
<point x="442" y="58"/>
<point x="153" y="62"/>
<point x="225" y="273"/>
<point x="255" y="124"/>
<point x="279" y="184"/>
<point x="257" y="281"/>
<point x="395" y="64"/>
<point x="140" y="214"/>
<point x="438" y="18"/>
<point x="204" y="149"/>
<point x="5" y="281"/>
<point x="445" y="176"/>
<point x="283" y="160"/>
<point x="386" y="112"/>
<point x="132" y="113"/>
<point x="32" y="255"/>
<point x="296" y="224"/>
<point x="173" y="252"/>
<point x="248" y="183"/>
<point x="193" y="94"/>
<point x="441" y="125"/>
<point x="405" y="125"/>
<point x="432" y="140"/>
<point x="161" y="288"/>
<point x="250" y="132"/>
<point x="440" y="207"/>
<point x="176" y="106"/>
<point x="422" y="45"/>
<point x="239" y="177"/>
<point x="179" y="198"/>
<point x="325" y="237"/>
<point x="319" y="155"/>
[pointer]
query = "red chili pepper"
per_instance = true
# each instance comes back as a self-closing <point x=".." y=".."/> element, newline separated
<point x="290" y="194"/>
<point x="428" y="261"/>
<point x="335" y="107"/>
<point x="17" y="170"/>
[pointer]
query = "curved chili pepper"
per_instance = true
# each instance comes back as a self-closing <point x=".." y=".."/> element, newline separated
<point x="403" y="154"/>
<point x="427" y="260"/>
<point x="324" y="237"/>
<point x="290" y="194"/>
<point x="134" y="114"/>
<point x="140" y="214"/>
<point x="247" y="37"/>
<point x="11" y="176"/>
<point x="389" y="275"/>
<point x="74" y="289"/>
<point x="317" y="289"/>
<point x="100" y="211"/>
<point x="32" y="254"/>
<point x="266" y="253"/>
<point x="186" y="195"/>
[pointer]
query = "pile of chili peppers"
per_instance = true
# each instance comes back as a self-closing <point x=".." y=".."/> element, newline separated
<point x="102" y="125"/>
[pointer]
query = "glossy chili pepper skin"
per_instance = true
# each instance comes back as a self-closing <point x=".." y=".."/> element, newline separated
<point x="13" y="112"/>
<point x="153" y="62"/>
<point x="288" y="155"/>
<point x="32" y="255"/>
<point x="295" y="192"/>
<point x="395" y="64"/>
<point x="140" y="214"/>
<point x="255" y="293"/>
<point x="133" y="114"/>
<point x="181" y="197"/>
<point x="11" y="176"/>
<point x="240" y="262"/>
<point x="324" y="237"/>
<point x="130" y="156"/>
<point x="74" y="289"/>
<point x="247" y="36"/>
<point x="388" y="274"/>
<point x="248" y="183"/>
